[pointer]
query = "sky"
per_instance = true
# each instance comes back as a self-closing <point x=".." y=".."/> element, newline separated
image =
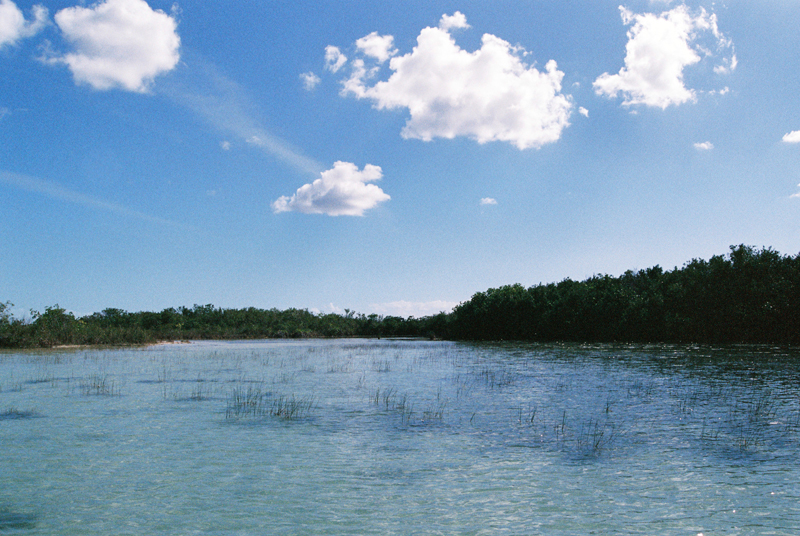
<point x="384" y="157"/>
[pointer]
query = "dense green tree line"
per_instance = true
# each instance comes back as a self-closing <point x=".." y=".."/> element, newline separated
<point x="56" y="326"/>
<point x="746" y="296"/>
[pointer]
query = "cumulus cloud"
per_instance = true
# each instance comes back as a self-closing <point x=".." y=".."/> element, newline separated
<point x="583" y="111"/>
<point x="380" y="47"/>
<point x="704" y="146"/>
<point x="792" y="137"/>
<point x="13" y="25"/>
<point x="455" y="21"/>
<point x="334" y="59"/>
<point x="118" y="44"/>
<point x="489" y="94"/>
<point x="488" y="201"/>
<point x="659" y="48"/>
<point x="310" y="80"/>
<point x="341" y="191"/>
<point x="405" y="309"/>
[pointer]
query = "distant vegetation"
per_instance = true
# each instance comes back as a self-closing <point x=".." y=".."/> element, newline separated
<point x="56" y="326"/>
<point x="747" y="296"/>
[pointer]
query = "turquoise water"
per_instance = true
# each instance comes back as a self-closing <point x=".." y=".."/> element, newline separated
<point x="400" y="437"/>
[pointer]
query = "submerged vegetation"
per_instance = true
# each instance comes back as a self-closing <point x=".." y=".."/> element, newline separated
<point x="747" y="296"/>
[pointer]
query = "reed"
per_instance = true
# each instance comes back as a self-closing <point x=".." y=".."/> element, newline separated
<point x="253" y="402"/>
<point x="98" y="385"/>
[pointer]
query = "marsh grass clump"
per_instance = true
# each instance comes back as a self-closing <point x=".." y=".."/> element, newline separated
<point x="382" y="365"/>
<point x="199" y="393"/>
<point x="559" y="430"/>
<point x="98" y="385"/>
<point x="434" y="411"/>
<point x="494" y="379"/>
<point x="736" y="421"/>
<point x="594" y="436"/>
<point x="253" y="402"/>
<point x="396" y="404"/>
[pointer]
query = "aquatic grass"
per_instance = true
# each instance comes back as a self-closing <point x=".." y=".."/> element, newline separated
<point x="254" y="402"/>
<point x="98" y="385"/>
<point x="383" y="365"/>
<point x="434" y="411"/>
<point x="594" y="436"/>
<point x="200" y="392"/>
<point x="496" y="379"/>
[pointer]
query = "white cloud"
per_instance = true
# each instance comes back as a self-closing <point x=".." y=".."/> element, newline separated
<point x="334" y="59"/>
<point x="341" y="191"/>
<point x="118" y="44"/>
<point x="488" y="95"/>
<point x="488" y="201"/>
<point x="456" y="20"/>
<point x="728" y="65"/>
<point x="225" y="145"/>
<point x="310" y="80"/>
<point x="405" y="309"/>
<point x="704" y="146"/>
<point x="583" y="111"/>
<point x="659" y="48"/>
<point x="13" y="25"/>
<point x="380" y="47"/>
<point x="792" y="137"/>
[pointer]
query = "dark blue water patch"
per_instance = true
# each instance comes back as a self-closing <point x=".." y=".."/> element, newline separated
<point x="53" y="379"/>
<point x="13" y="414"/>
<point x="14" y="521"/>
<point x="197" y="398"/>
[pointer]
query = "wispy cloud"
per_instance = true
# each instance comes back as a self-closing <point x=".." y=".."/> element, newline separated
<point x="310" y="80"/>
<point x="221" y="102"/>
<point x="334" y="59"/>
<point x="56" y="191"/>
<point x="488" y="201"/>
<point x="405" y="309"/>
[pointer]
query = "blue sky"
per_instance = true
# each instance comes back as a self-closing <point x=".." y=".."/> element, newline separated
<point x="386" y="157"/>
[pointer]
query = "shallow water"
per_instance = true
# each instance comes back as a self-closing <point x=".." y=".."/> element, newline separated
<point x="400" y="437"/>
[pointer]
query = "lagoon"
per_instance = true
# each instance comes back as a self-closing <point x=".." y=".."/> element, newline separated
<point x="400" y="437"/>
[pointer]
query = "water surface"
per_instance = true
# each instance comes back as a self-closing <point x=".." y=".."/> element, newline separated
<point x="400" y="437"/>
